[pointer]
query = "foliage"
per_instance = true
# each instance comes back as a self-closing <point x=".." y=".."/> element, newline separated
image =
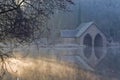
<point x="105" y="13"/>
<point x="24" y="20"/>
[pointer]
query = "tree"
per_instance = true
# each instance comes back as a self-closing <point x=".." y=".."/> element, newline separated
<point x="24" y="21"/>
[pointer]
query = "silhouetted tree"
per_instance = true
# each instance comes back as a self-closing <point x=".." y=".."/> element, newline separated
<point x="24" y="21"/>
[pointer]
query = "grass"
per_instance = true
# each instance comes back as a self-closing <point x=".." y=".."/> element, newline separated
<point x="47" y="69"/>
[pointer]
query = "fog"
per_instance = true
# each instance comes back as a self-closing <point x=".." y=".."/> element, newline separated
<point x="105" y="13"/>
<point x="83" y="44"/>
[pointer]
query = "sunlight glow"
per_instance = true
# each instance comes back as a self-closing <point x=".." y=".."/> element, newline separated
<point x="16" y="66"/>
<point x="44" y="69"/>
<point x="24" y="67"/>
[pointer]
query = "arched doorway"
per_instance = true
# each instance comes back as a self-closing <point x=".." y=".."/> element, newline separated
<point x="88" y="46"/>
<point x="98" y="46"/>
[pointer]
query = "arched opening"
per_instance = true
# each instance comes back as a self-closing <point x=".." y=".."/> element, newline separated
<point x="88" y="46"/>
<point x="98" y="46"/>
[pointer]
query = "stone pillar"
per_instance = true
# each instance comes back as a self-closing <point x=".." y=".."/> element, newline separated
<point x="93" y="57"/>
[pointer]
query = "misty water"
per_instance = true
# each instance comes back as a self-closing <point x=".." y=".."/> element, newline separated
<point x="81" y="42"/>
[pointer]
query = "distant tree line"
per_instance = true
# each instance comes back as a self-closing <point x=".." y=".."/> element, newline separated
<point x="105" y="13"/>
